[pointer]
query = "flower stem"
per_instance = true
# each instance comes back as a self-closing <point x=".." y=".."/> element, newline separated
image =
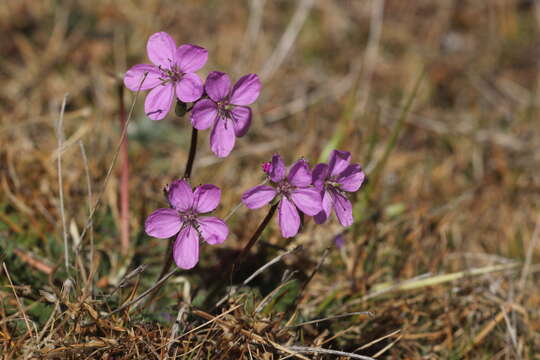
<point x="232" y="265"/>
<point x="192" y="152"/>
<point x="256" y="235"/>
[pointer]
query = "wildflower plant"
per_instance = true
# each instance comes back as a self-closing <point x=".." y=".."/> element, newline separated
<point x="224" y="107"/>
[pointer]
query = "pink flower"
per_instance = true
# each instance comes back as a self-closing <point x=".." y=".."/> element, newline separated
<point x="294" y="189"/>
<point x="334" y="181"/>
<point x="184" y="219"/>
<point x="226" y="109"/>
<point x="172" y="72"/>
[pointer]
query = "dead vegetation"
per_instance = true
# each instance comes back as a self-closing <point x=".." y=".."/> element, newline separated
<point x="442" y="261"/>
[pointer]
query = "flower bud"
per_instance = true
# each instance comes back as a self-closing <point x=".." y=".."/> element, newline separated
<point x="181" y="108"/>
<point x="267" y="167"/>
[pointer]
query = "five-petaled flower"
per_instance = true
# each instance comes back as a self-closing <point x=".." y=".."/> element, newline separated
<point x="334" y="180"/>
<point x="295" y="193"/>
<point x="226" y="109"/>
<point x="184" y="219"/>
<point x="172" y="72"/>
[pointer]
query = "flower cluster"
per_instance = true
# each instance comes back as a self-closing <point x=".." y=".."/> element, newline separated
<point x="224" y="107"/>
<point x="314" y="193"/>
<point x="216" y="103"/>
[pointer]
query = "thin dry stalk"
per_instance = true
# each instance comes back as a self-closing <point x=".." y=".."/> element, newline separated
<point x="256" y="10"/>
<point x="176" y="326"/>
<point x="60" y="138"/>
<point x="208" y="317"/>
<point x="528" y="258"/>
<point x="34" y="262"/>
<point x="379" y="340"/>
<point x="270" y="263"/>
<point x="156" y="286"/>
<point x="113" y="162"/>
<point x="372" y="53"/>
<point x="124" y="175"/>
<point x="313" y="350"/>
<point x="366" y="313"/>
<point x="486" y="330"/>
<point x="329" y="88"/>
<point x="180" y="317"/>
<point x="287" y="40"/>
<point x="19" y="304"/>
<point x="425" y="281"/>
<point x="90" y="280"/>
<point x="387" y="347"/>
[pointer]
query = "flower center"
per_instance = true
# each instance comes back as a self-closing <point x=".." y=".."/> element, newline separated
<point x="188" y="216"/>
<point x="173" y="74"/>
<point x="332" y="182"/>
<point x="284" y="188"/>
<point x="224" y="109"/>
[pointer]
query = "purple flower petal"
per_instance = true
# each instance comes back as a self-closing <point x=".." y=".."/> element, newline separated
<point x="351" y="178"/>
<point x="180" y="195"/>
<point x="320" y="218"/>
<point x="163" y="223"/>
<point x="242" y="119"/>
<point x="299" y="174"/>
<point x="327" y="204"/>
<point x="319" y="175"/>
<point x="246" y="90"/>
<point x="158" y="101"/>
<point x="161" y="49"/>
<point x="343" y="208"/>
<point x="204" y="114"/>
<point x="222" y="138"/>
<point x="277" y="172"/>
<point x="258" y="196"/>
<point x="206" y="198"/>
<point x="189" y="88"/>
<point x="338" y="161"/>
<point x="213" y="230"/>
<point x="186" y="248"/>
<point x="288" y="218"/>
<point x="190" y="58"/>
<point x="217" y="85"/>
<point x="308" y="200"/>
<point x="134" y="77"/>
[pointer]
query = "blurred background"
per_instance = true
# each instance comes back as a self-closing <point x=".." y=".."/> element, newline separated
<point x="459" y="190"/>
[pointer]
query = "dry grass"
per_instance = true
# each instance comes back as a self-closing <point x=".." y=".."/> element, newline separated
<point x="443" y="227"/>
